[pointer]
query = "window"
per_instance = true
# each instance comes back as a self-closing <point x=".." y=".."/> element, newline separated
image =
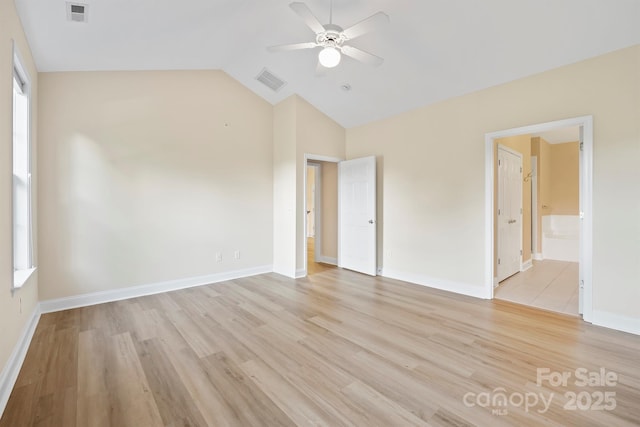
<point x="23" y="264"/>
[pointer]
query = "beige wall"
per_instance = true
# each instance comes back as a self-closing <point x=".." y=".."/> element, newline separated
<point x="15" y="309"/>
<point x="521" y="144"/>
<point x="558" y="180"/>
<point x="329" y="178"/>
<point x="542" y="150"/>
<point x="144" y="176"/>
<point x="433" y="183"/>
<point x="565" y="178"/>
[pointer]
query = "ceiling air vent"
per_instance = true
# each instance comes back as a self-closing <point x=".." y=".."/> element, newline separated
<point x="267" y="78"/>
<point x="77" y="12"/>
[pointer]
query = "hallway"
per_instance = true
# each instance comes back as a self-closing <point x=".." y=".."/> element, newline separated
<point x="312" y="266"/>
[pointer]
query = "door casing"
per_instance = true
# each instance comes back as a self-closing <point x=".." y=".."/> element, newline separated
<point x="586" y="203"/>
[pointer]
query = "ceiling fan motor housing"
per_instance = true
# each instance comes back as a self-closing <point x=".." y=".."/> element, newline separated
<point x="332" y="36"/>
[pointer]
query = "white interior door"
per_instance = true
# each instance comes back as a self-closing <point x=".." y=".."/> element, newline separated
<point x="357" y="206"/>
<point x="509" y="212"/>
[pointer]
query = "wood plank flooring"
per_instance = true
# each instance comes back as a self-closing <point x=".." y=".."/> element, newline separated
<point x="335" y="349"/>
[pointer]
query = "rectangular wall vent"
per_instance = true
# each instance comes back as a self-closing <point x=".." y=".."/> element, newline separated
<point x="268" y="79"/>
<point x="76" y="12"/>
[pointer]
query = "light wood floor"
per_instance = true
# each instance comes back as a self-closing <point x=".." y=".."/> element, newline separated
<point x="334" y="349"/>
<point x="314" y="267"/>
<point x="550" y="285"/>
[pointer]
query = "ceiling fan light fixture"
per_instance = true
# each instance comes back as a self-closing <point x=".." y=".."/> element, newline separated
<point x="329" y="57"/>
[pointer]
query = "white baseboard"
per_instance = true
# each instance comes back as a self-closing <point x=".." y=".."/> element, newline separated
<point x="616" y="321"/>
<point x="48" y="306"/>
<point x="538" y="256"/>
<point x="327" y="260"/>
<point x="300" y="273"/>
<point x="9" y="374"/>
<point x="526" y="265"/>
<point x="477" y="291"/>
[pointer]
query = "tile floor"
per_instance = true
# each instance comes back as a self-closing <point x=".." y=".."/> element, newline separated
<point x="551" y="285"/>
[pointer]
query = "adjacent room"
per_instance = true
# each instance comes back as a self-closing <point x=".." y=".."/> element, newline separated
<point x="329" y="212"/>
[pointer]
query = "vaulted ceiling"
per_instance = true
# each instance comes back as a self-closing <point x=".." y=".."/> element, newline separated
<point x="433" y="49"/>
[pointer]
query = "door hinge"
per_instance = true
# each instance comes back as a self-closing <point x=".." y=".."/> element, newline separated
<point x="581" y="284"/>
<point x="581" y="146"/>
<point x="498" y="211"/>
<point x="520" y="251"/>
<point x="520" y="170"/>
<point x="499" y="162"/>
<point x="498" y="261"/>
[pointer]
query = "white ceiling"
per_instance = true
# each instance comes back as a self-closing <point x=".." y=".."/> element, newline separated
<point x="433" y="49"/>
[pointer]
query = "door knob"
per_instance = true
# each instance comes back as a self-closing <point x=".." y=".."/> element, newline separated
<point x="371" y="221"/>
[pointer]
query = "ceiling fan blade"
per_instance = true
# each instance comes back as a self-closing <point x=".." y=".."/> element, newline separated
<point x="293" y="46"/>
<point x="366" y="25"/>
<point x="362" y="56"/>
<point x="307" y="16"/>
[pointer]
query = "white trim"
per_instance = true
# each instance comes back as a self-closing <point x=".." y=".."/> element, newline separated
<point x="19" y="69"/>
<point x="11" y="369"/>
<point x="301" y="272"/>
<point x="20" y="277"/>
<point x="317" y="214"/>
<point x="537" y="256"/>
<point x="526" y="265"/>
<point x="616" y="321"/>
<point x="321" y="158"/>
<point x="317" y="210"/>
<point x="468" y="289"/>
<point x="586" y="175"/>
<point x="511" y="151"/>
<point x="534" y="205"/>
<point x="48" y="306"/>
<point x="327" y="260"/>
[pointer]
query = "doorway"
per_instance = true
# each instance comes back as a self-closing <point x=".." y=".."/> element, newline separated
<point x="345" y="216"/>
<point x="555" y="233"/>
<point x="321" y="211"/>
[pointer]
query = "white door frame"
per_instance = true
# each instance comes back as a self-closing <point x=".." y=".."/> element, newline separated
<point x="586" y="197"/>
<point x="311" y="158"/>
<point x="317" y="186"/>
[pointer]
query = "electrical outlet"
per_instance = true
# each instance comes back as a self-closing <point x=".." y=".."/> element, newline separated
<point x="236" y="254"/>
<point x="218" y="256"/>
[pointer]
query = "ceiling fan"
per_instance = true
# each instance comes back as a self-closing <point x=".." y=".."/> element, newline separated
<point x="333" y="39"/>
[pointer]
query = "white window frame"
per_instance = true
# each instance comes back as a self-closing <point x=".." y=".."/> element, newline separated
<point x="21" y="275"/>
